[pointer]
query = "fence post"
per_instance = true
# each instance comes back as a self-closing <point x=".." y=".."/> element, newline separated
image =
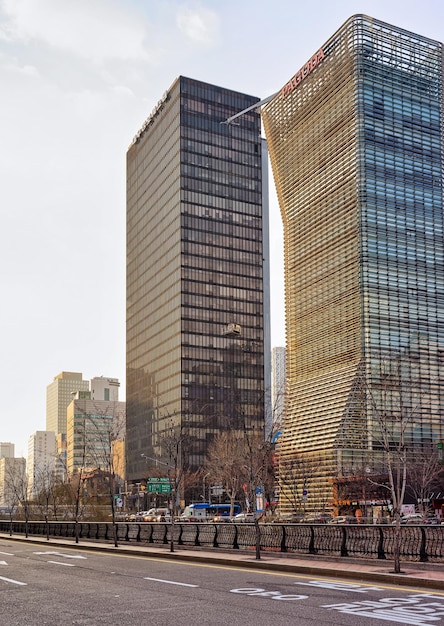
<point x="284" y="539"/>
<point x="215" y="541"/>
<point x="422" y="549"/>
<point x="381" y="553"/>
<point x="235" y="543"/>
<point x="344" y="551"/>
<point x="311" y="546"/>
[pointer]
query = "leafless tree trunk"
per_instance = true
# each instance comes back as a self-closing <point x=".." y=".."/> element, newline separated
<point x="424" y="474"/>
<point x="16" y="487"/>
<point x="175" y="444"/>
<point x="391" y="418"/>
<point x="104" y="429"/>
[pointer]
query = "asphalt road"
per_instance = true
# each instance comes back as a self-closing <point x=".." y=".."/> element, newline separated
<point x="52" y="585"/>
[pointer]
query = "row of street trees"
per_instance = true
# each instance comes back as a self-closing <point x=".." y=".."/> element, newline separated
<point x="92" y="485"/>
<point x="242" y="462"/>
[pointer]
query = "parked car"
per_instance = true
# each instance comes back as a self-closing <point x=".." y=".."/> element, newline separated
<point x="290" y="518"/>
<point x="136" y="517"/>
<point x="243" y="517"/>
<point x="148" y="517"/>
<point x="222" y="518"/>
<point x="164" y="515"/>
<point x="343" y="519"/>
<point x="157" y="515"/>
<point x="413" y="518"/>
<point x="317" y="518"/>
<point x="140" y="516"/>
<point x="119" y="516"/>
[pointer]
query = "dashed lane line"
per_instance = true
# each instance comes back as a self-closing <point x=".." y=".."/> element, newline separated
<point x="170" y="582"/>
<point x="14" y="582"/>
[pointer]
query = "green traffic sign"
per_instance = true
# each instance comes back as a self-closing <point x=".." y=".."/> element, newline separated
<point x="159" y="488"/>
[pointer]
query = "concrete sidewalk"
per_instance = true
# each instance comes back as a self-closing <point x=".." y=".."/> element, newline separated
<point x="416" y="575"/>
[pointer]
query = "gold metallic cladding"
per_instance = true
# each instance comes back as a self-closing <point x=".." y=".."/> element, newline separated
<point x="312" y="136"/>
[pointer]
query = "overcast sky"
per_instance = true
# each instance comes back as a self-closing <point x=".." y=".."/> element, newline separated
<point x="78" y="78"/>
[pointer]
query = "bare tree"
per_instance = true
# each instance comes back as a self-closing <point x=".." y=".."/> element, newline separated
<point x="360" y="481"/>
<point x="44" y="489"/>
<point x="241" y="461"/>
<point x="103" y="449"/>
<point x="16" y="487"/>
<point x="424" y="474"/>
<point x="226" y="464"/>
<point x="175" y="444"/>
<point x="394" y="402"/>
<point x="12" y="501"/>
<point x="295" y="477"/>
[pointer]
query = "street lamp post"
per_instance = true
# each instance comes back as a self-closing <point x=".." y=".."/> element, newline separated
<point x="138" y="497"/>
<point x="204" y="485"/>
<point x="173" y="494"/>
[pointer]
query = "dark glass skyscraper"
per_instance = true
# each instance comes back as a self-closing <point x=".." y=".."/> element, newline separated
<point x="356" y="145"/>
<point x="197" y="270"/>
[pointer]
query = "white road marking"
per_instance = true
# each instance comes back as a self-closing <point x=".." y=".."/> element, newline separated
<point x="3" y="563"/>
<point x="412" y="609"/>
<point x="169" y="582"/>
<point x="63" y="555"/>
<point x="326" y="584"/>
<point x="274" y="595"/>
<point x="65" y="564"/>
<point x="15" y="582"/>
<point x="7" y="553"/>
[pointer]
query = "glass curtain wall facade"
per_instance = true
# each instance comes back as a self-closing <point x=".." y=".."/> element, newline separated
<point x="195" y="274"/>
<point x="355" y="142"/>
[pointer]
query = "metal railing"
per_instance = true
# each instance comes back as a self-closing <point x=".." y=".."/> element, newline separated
<point x="418" y="543"/>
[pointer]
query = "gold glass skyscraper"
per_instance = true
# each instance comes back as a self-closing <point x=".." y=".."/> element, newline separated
<point x="197" y="310"/>
<point x="355" y="140"/>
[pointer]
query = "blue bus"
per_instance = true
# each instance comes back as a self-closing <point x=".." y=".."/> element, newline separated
<point x="206" y="512"/>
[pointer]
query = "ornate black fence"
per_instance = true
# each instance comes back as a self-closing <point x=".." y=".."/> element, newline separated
<point x="418" y="543"/>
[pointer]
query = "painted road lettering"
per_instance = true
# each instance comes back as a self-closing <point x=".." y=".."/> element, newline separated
<point x="413" y="609"/>
<point x="263" y="593"/>
<point x="62" y="554"/>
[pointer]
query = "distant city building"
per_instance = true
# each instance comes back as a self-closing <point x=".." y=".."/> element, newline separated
<point x="356" y="145"/>
<point x="92" y="427"/>
<point x="13" y="481"/>
<point x="59" y="396"/>
<point x="198" y="338"/>
<point x="103" y="388"/>
<point x="278" y="382"/>
<point x="42" y="462"/>
<point x="7" y="450"/>
<point x="62" y="470"/>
